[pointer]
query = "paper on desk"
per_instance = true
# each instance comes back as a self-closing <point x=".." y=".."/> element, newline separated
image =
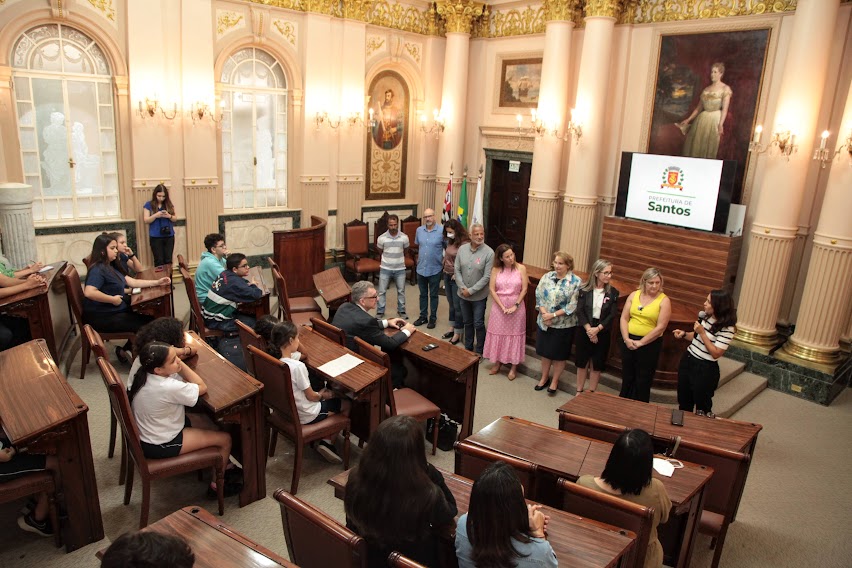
<point x="663" y="467"/>
<point x="46" y="268"/>
<point x="340" y="365"/>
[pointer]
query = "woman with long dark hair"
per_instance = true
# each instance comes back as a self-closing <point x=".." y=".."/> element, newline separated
<point x="505" y="340"/>
<point x="698" y="373"/>
<point x="166" y="330"/>
<point x="159" y="215"/>
<point x="500" y="529"/>
<point x="106" y="303"/>
<point x="596" y="308"/>
<point x="394" y="496"/>
<point x="455" y="235"/>
<point x="627" y="475"/>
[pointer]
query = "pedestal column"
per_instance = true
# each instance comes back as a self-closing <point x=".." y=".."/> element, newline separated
<point x="16" y="220"/>
<point x="543" y="205"/>
<point x="827" y="296"/>
<point x="580" y="202"/>
<point x="778" y="207"/>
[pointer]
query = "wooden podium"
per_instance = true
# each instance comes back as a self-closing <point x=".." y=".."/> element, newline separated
<point x="300" y="253"/>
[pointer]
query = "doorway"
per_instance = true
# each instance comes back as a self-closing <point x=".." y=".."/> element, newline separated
<point x="507" y="196"/>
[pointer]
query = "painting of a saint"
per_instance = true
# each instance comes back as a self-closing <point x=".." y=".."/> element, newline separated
<point x="715" y="121"/>
<point x="387" y="138"/>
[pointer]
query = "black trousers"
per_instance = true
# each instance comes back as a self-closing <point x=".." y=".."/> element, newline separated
<point x="13" y="331"/>
<point x="637" y="369"/>
<point x="697" y="380"/>
<point x="118" y="322"/>
<point x="163" y="249"/>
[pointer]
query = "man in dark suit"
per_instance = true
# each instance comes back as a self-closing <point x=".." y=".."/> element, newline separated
<point x="354" y="319"/>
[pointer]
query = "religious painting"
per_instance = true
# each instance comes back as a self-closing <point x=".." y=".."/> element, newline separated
<point x="387" y="137"/>
<point x="706" y="96"/>
<point x="520" y="82"/>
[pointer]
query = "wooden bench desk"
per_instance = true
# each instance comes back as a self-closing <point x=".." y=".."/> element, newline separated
<point x="215" y="544"/>
<point x="157" y="300"/>
<point x="259" y="307"/>
<point x="562" y="454"/>
<point x="41" y="413"/>
<point x="34" y="306"/>
<point x="577" y="541"/>
<point x="446" y="375"/>
<point x="231" y="392"/>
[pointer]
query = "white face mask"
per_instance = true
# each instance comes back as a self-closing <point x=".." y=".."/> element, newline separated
<point x="451" y="235"/>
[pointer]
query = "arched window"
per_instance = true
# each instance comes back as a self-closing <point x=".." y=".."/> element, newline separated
<point x="66" y="123"/>
<point x="254" y="131"/>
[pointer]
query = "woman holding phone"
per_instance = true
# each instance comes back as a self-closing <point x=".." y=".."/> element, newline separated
<point x="159" y="215"/>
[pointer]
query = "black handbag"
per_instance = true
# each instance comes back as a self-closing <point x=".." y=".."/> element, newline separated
<point x="448" y="432"/>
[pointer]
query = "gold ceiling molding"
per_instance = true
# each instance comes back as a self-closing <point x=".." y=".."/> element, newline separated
<point x="405" y="18"/>
<point x="561" y="10"/>
<point x="603" y="8"/>
<point x="105" y="7"/>
<point x="459" y="15"/>
<point x="529" y="21"/>
<point x="655" y="11"/>
<point x="356" y="9"/>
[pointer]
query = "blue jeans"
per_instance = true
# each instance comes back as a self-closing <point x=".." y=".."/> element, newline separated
<point x="452" y="291"/>
<point x="429" y="293"/>
<point x="384" y="280"/>
<point x="473" y="313"/>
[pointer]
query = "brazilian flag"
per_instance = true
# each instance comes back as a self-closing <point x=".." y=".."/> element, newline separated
<point x="462" y="210"/>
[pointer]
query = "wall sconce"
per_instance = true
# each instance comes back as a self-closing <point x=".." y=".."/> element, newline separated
<point x="323" y="118"/>
<point x="149" y="109"/>
<point x="847" y="146"/>
<point x="437" y="126"/>
<point x="784" y="140"/>
<point x="822" y="154"/>
<point x="574" y="128"/>
<point x="201" y="109"/>
<point x="537" y="126"/>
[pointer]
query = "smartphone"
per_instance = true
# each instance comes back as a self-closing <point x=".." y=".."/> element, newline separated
<point x="429" y="347"/>
<point x="136" y="291"/>
<point x="677" y="417"/>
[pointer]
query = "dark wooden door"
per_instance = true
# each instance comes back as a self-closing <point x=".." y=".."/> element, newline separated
<point x="507" y="206"/>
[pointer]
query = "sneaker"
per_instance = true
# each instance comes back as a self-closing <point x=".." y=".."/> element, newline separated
<point x="328" y="451"/>
<point x="431" y="325"/>
<point x="29" y="524"/>
<point x="403" y="315"/>
<point x="122" y="356"/>
<point x="380" y="315"/>
<point x="29" y="507"/>
<point x="420" y="321"/>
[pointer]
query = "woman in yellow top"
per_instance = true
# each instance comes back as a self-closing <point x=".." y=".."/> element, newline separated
<point x="644" y="319"/>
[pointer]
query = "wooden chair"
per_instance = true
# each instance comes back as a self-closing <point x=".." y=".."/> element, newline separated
<point x="249" y="337"/>
<point x="471" y="461"/>
<point x="330" y="331"/>
<point x="295" y="305"/>
<point x="285" y="307"/>
<point x="98" y="347"/>
<point x="196" y="322"/>
<point x="74" y="294"/>
<point x="409" y="227"/>
<point x="356" y="249"/>
<point x="284" y="419"/>
<point x="33" y="484"/>
<point x="397" y="560"/>
<point x="613" y="511"/>
<point x="380" y="225"/>
<point x="315" y="540"/>
<point x="720" y="501"/>
<point x="87" y="261"/>
<point x="404" y="401"/>
<point x="151" y="469"/>
<point x="182" y="262"/>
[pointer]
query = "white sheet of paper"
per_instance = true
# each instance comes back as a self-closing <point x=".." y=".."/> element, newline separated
<point x="663" y="467"/>
<point x="340" y="365"/>
<point x="46" y="268"/>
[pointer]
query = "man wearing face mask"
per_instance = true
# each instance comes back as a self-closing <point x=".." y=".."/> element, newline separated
<point x="473" y="272"/>
<point x="430" y="241"/>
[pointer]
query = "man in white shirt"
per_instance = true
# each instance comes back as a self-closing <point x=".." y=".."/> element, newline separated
<point x="393" y="244"/>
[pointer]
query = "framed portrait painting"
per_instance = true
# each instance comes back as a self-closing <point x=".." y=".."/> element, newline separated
<point x="520" y="82"/>
<point x="387" y="137"/>
<point x="706" y="95"/>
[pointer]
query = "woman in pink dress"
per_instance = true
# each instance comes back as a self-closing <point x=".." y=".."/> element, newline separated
<point x="505" y="339"/>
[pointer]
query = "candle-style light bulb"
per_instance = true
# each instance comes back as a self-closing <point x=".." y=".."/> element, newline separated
<point x="518" y="118"/>
<point x="533" y="114"/>
<point x="758" y="132"/>
<point x="824" y="138"/>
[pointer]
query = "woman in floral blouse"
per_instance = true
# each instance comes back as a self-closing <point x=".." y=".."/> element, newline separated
<point x="556" y="301"/>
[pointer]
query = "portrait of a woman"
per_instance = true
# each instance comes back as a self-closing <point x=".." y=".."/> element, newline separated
<point x="705" y="126"/>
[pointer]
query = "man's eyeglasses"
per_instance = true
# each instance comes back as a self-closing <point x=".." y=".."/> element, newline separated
<point x="371" y="297"/>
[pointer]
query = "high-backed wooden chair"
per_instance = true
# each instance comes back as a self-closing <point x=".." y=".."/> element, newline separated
<point x="409" y="227"/>
<point x="380" y="227"/>
<point x="33" y="484"/>
<point x="315" y="540"/>
<point x="87" y="261"/>
<point x="397" y="560"/>
<point x="284" y="419"/>
<point x="330" y="331"/>
<point x="471" y="461"/>
<point x="151" y="469"/>
<point x="99" y="349"/>
<point x="249" y="337"/>
<point x="720" y="503"/>
<point x="182" y="262"/>
<point x="404" y="401"/>
<point x="613" y="511"/>
<point x="302" y="316"/>
<point x="196" y="322"/>
<point x="356" y="249"/>
<point x="74" y="294"/>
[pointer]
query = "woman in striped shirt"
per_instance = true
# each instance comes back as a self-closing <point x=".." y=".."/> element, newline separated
<point x="698" y="373"/>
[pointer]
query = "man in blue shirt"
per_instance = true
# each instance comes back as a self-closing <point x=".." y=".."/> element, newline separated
<point x="430" y="240"/>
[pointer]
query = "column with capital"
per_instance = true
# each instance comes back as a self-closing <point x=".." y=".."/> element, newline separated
<point x="459" y="16"/>
<point x="776" y="213"/>
<point x="543" y="204"/>
<point x="827" y="296"/>
<point x="579" y="211"/>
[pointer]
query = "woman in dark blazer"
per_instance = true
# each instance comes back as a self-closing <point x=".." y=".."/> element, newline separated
<point x="596" y="308"/>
